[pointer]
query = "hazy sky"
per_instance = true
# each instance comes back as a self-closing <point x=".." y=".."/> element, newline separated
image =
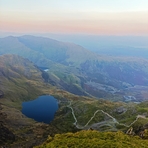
<point x="102" y="17"/>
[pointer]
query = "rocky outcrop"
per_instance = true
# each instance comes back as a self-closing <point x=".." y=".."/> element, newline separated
<point x="1" y="94"/>
<point x="120" y="110"/>
<point x="6" y="136"/>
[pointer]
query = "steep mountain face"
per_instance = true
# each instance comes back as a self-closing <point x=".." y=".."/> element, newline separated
<point x="79" y="71"/>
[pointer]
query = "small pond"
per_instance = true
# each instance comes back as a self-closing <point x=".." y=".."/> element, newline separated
<point x="41" y="109"/>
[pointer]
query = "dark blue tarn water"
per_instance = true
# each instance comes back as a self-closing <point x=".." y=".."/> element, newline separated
<point x="41" y="109"/>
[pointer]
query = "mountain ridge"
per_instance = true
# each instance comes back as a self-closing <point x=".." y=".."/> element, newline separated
<point x="79" y="71"/>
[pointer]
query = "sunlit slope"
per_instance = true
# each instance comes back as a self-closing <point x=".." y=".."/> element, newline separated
<point x="94" y="139"/>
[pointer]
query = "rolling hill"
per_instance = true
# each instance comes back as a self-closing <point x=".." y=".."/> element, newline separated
<point x="45" y="49"/>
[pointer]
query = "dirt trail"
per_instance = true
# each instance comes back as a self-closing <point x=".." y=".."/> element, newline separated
<point x="114" y="119"/>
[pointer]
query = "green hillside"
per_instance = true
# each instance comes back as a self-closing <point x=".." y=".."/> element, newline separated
<point x="21" y="81"/>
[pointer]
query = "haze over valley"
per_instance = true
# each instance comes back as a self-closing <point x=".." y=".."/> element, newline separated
<point x="73" y="74"/>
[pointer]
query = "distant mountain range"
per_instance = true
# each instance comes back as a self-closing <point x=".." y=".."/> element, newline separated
<point x="80" y="71"/>
<point x="42" y="51"/>
<point x="135" y="46"/>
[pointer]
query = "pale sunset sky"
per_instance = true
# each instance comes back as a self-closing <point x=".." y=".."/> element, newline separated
<point x="100" y="17"/>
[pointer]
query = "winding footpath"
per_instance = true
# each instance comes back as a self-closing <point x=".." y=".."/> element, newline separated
<point x="103" y="113"/>
<point x="69" y="106"/>
<point x="138" y="116"/>
<point x="114" y="120"/>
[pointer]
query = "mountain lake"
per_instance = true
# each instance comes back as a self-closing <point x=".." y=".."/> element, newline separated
<point x="41" y="109"/>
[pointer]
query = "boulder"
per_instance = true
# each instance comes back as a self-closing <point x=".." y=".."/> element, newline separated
<point x="120" y="110"/>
